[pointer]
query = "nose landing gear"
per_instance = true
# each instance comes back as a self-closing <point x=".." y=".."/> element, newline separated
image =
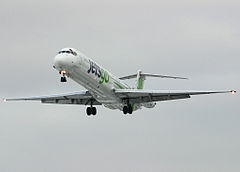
<point x="63" y="73"/>
<point x="63" y="79"/>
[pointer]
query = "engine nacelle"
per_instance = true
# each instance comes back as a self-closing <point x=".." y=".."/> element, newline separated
<point x="149" y="105"/>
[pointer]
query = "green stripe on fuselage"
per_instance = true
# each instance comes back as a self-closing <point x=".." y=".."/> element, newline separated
<point x="119" y="85"/>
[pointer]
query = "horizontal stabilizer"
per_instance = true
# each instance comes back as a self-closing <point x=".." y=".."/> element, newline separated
<point x="151" y="75"/>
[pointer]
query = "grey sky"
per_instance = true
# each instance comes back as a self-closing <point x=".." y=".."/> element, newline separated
<point x="199" y="40"/>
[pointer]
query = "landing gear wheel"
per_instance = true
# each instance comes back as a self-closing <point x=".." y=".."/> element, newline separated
<point x="94" y="110"/>
<point x="63" y="79"/>
<point x="130" y="109"/>
<point x="125" y="109"/>
<point x="89" y="111"/>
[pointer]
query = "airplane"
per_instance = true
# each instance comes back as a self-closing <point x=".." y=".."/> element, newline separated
<point x="103" y="88"/>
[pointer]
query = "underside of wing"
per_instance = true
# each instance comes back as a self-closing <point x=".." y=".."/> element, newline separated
<point x="80" y="98"/>
<point x="145" y="96"/>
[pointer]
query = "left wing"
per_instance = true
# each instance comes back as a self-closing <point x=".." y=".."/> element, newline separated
<point x="81" y="98"/>
<point x="145" y="96"/>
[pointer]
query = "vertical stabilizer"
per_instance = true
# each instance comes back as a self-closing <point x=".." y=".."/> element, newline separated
<point x="140" y="80"/>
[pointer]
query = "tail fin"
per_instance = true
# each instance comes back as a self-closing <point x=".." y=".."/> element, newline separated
<point x="140" y="80"/>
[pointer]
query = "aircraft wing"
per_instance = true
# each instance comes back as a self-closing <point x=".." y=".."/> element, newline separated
<point x="145" y="96"/>
<point x="81" y="98"/>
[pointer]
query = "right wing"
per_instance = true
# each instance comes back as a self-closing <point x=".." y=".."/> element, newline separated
<point x="81" y="98"/>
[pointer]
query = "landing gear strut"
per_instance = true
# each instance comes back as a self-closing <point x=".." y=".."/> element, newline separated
<point x="63" y="73"/>
<point x="91" y="110"/>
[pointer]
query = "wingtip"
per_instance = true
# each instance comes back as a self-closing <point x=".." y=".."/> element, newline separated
<point x="4" y="99"/>
<point x="182" y="78"/>
<point x="233" y="91"/>
<point x="177" y="77"/>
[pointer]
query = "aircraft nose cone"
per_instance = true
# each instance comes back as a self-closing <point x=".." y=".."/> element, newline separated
<point x="59" y="61"/>
<point x="62" y="62"/>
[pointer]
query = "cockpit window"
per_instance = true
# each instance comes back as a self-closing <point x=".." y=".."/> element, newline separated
<point x="72" y="52"/>
<point x="68" y="52"/>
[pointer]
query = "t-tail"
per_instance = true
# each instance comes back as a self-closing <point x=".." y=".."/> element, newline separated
<point x="140" y="80"/>
<point x="141" y="77"/>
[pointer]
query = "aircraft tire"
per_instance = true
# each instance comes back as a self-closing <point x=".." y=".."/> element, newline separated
<point x="130" y="109"/>
<point x="125" y="109"/>
<point x="63" y="79"/>
<point x="89" y="111"/>
<point x="94" y="110"/>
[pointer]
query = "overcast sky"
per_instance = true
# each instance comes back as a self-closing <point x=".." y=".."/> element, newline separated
<point x="195" y="39"/>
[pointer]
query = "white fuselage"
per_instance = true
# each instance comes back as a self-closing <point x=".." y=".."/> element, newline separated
<point x="97" y="80"/>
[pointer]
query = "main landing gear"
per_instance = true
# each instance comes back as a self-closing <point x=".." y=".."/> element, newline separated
<point x="127" y="109"/>
<point x="63" y="73"/>
<point x="91" y="110"/>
